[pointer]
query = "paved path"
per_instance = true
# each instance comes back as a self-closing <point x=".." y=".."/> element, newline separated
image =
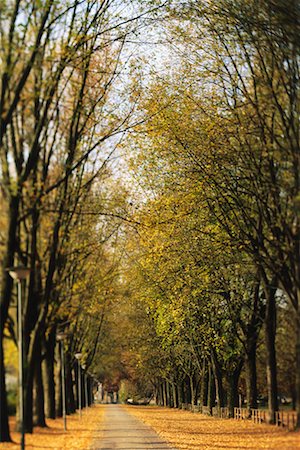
<point x="123" y="431"/>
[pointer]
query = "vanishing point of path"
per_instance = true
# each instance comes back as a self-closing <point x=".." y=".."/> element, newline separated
<point x="123" y="431"/>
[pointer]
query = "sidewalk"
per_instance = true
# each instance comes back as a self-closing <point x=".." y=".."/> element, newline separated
<point x="123" y="431"/>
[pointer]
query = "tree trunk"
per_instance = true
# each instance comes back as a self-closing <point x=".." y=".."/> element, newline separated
<point x="270" y="334"/>
<point x="192" y="391"/>
<point x="218" y="381"/>
<point x="39" y="400"/>
<point x="204" y="384"/>
<point x="28" y="397"/>
<point x="175" y="399"/>
<point x="4" y="428"/>
<point x="233" y="394"/>
<point x="180" y="393"/>
<point x="48" y="375"/>
<point x="169" y="399"/>
<point x="156" y="395"/>
<point x="187" y="390"/>
<point x="6" y="289"/>
<point x="298" y="366"/>
<point x="164" y="390"/>
<point x="251" y="378"/>
<point x="160" y="396"/>
<point x="58" y="386"/>
<point x="211" y="389"/>
<point x="71" y="406"/>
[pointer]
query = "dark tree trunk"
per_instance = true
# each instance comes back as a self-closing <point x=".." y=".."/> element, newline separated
<point x="58" y="387"/>
<point x="169" y="395"/>
<point x="298" y="366"/>
<point x="156" y="395"/>
<point x="71" y="406"/>
<point x="192" y="390"/>
<point x="218" y="381"/>
<point x="251" y="377"/>
<point x="204" y="384"/>
<point x="175" y="395"/>
<point x="233" y="394"/>
<point x="187" y="390"/>
<point x="164" y="388"/>
<point x="28" y="397"/>
<point x="211" y="397"/>
<point x="39" y="399"/>
<point x="180" y="393"/>
<point x="160" y="395"/>
<point x="48" y="375"/>
<point x="6" y="289"/>
<point x="270" y="334"/>
<point x="4" y="428"/>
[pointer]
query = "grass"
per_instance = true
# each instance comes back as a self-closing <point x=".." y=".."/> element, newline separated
<point x="189" y="431"/>
<point x="79" y="435"/>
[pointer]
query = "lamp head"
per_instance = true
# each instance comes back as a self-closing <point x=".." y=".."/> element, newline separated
<point x="61" y="336"/>
<point x="19" y="272"/>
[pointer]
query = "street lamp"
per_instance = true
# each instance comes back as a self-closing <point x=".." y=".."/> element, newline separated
<point x="78" y="357"/>
<point x="60" y="338"/>
<point x="20" y="273"/>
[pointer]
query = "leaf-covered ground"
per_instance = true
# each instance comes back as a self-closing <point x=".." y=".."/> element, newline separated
<point x="186" y="430"/>
<point x="79" y="434"/>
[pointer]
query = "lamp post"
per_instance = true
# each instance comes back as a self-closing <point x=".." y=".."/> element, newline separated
<point x="85" y="387"/>
<point x="78" y="357"/>
<point x="60" y="338"/>
<point x="19" y="274"/>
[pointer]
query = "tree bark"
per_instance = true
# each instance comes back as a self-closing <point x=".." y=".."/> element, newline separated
<point x="218" y="376"/>
<point x="164" y="389"/>
<point x="175" y="398"/>
<point x="39" y="398"/>
<point x="6" y="289"/>
<point x="204" y="384"/>
<point x="233" y="394"/>
<point x="251" y="377"/>
<point x="270" y="336"/>
<point x="298" y="367"/>
<point x="48" y="375"/>
<point x="71" y="406"/>
<point x="4" y="427"/>
<point x="211" y="389"/>
<point x="58" y="387"/>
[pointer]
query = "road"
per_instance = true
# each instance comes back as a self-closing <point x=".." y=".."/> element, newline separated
<point x="123" y="431"/>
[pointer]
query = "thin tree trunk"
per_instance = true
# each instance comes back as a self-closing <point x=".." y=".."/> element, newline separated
<point x="179" y="394"/>
<point x="218" y="381"/>
<point x="48" y="375"/>
<point x="251" y="378"/>
<point x="164" y="390"/>
<point x="39" y="399"/>
<point x="192" y="391"/>
<point x="71" y="406"/>
<point x="211" y="389"/>
<point x="174" y="390"/>
<point x="58" y="387"/>
<point x="4" y="428"/>
<point x="298" y="367"/>
<point x="270" y="336"/>
<point x="204" y="384"/>
<point x="233" y="394"/>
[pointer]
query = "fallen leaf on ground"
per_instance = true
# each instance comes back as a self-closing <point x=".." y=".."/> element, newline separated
<point x="194" y="431"/>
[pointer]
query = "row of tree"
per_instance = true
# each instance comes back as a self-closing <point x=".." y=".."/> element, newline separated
<point x="216" y="258"/>
<point x="61" y="66"/>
